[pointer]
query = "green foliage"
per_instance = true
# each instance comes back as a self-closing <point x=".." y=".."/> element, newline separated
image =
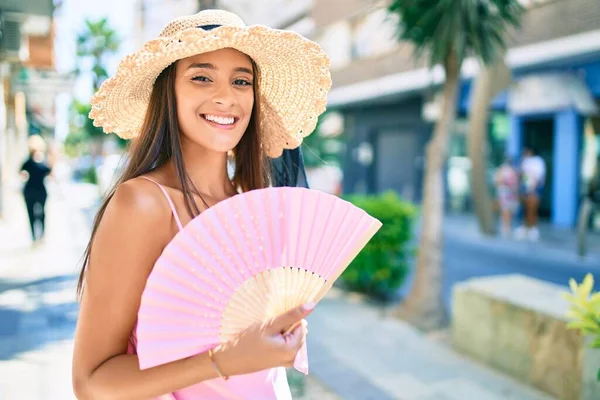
<point x="319" y="150"/>
<point x="97" y="41"/>
<point x="584" y="311"/>
<point x="381" y="267"/>
<point x="82" y="110"/>
<point x="297" y="382"/>
<point x="90" y="176"/>
<point x="75" y="143"/>
<point x="462" y="27"/>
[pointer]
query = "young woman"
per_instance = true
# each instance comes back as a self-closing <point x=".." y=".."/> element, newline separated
<point x="507" y="192"/>
<point x="206" y="88"/>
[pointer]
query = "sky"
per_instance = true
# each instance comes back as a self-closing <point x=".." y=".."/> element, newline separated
<point x="69" y="22"/>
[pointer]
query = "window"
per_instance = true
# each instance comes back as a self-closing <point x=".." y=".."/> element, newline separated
<point x="336" y="41"/>
<point x="375" y="34"/>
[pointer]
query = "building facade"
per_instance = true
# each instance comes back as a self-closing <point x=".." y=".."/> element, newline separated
<point x="26" y="44"/>
<point x="389" y="99"/>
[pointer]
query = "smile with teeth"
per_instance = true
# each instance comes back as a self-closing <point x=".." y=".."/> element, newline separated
<point x="219" y="120"/>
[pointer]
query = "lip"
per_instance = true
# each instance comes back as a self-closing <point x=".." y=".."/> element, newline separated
<point x="219" y="126"/>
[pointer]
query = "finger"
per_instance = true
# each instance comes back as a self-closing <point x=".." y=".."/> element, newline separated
<point x="280" y="323"/>
<point x="291" y="328"/>
<point x="303" y="322"/>
<point x="293" y="340"/>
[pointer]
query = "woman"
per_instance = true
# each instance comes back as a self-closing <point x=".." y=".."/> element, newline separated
<point x="34" y="171"/>
<point x="208" y="86"/>
<point x="507" y="184"/>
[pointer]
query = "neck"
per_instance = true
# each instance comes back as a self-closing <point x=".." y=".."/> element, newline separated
<point x="207" y="170"/>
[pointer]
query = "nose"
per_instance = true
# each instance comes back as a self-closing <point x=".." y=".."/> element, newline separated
<point x="223" y="95"/>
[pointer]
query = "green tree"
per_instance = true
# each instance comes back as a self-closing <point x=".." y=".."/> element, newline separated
<point x="97" y="41"/>
<point x="446" y="31"/>
<point x="318" y="149"/>
<point x="491" y="80"/>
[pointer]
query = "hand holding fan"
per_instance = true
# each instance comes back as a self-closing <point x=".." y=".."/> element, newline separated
<point x="245" y="260"/>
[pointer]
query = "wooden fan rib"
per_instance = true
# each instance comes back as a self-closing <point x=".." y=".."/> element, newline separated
<point x="249" y="300"/>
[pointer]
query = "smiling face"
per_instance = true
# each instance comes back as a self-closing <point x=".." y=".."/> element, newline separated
<point x="215" y="96"/>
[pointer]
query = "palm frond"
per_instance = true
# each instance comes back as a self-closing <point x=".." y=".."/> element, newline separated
<point x="463" y="27"/>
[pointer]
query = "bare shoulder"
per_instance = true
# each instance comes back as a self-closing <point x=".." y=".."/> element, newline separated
<point x="138" y="208"/>
<point x="139" y="196"/>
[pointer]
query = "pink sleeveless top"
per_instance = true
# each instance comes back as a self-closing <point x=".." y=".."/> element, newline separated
<point x="263" y="385"/>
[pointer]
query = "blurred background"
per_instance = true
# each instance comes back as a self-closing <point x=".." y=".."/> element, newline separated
<point x="460" y="296"/>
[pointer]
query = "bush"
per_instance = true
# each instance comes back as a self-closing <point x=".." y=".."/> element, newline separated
<point x="90" y="176"/>
<point x="382" y="266"/>
<point x="584" y="311"/>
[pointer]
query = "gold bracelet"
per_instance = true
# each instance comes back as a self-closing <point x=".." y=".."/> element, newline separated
<point x="215" y="366"/>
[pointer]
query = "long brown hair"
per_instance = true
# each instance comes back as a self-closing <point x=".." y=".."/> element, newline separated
<point x="159" y="142"/>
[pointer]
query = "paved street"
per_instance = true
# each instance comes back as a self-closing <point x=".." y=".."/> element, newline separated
<point x="467" y="254"/>
<point x="464" y="259"/>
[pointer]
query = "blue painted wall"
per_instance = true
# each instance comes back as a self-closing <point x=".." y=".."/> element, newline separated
<point x="567" y="138"/>
<point x="515" y="138"/>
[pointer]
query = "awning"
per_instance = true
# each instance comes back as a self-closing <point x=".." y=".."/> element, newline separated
<point x="550" y="92"/>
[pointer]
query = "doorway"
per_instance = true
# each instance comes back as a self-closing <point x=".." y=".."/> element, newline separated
<point x="539" y="135"/>
<point x="394" y="162"/>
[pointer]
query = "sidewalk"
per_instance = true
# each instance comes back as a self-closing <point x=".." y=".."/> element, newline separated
<point x="360" y="354"/>
<point x="38" y="308"/>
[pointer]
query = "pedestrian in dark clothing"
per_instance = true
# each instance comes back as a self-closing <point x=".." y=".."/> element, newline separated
<point x="35" y="170"/>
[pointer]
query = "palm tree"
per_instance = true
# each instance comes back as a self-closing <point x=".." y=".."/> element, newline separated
<point x="492" y="80"/>
<point x="447" y="31"/>
<point x="97" y="41"/>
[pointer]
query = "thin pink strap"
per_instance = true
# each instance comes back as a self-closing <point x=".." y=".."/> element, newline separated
<point x="175" y="215"/>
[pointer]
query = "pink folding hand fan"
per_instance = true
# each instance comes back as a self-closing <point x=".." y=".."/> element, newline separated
<point x="245" y="260"/>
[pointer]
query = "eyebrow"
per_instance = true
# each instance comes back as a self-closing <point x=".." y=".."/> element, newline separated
<point x="211" y="66"/>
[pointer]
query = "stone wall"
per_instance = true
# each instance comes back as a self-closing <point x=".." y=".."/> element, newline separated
<point x="517" y="325"/>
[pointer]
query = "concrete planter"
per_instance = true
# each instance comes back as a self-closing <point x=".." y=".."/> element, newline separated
<point x="518" y="325"/>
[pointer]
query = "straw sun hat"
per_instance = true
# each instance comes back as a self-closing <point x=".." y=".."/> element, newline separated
<point x="293" y="78"/>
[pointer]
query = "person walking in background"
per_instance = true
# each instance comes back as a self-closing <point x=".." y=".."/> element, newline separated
<point x="507" y="192"/>
<point x="33" y="171"/>
<point x="533" y="178"/>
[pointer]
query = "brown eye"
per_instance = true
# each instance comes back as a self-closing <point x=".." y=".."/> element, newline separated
<point x="242" y="82"/>
<point x="200" y="78"/>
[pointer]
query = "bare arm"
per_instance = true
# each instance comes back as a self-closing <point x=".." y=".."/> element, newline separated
<point x="133" y="232"/>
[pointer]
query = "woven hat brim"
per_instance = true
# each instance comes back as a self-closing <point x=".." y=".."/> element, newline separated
<point x="294" y="81"/>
